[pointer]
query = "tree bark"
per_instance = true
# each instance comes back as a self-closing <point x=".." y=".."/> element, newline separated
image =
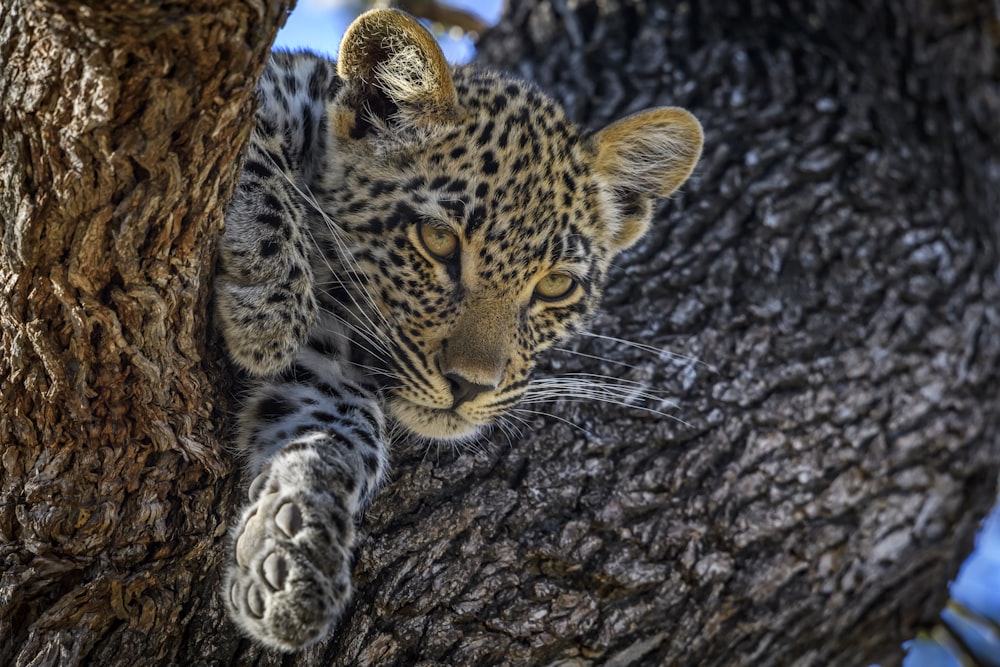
<point x="832" y="267"/>
<point x="121" y="125"/>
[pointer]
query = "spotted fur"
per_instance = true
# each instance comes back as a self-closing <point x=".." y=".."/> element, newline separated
<point x="405" y="240"/>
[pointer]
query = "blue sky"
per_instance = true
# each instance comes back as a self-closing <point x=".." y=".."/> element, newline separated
<point x="319" y="25"/>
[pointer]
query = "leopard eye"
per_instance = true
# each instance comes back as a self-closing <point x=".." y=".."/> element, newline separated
<point x="555" y="286"/>
<point x="439" y="242"/>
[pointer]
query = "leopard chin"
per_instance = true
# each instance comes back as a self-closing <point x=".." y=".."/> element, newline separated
<point x="444" y="425"/>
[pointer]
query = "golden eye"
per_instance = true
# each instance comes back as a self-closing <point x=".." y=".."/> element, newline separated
<point x="439" y="242"/>
<point x="555" y="286"/>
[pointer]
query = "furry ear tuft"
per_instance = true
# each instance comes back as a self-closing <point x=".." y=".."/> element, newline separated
<point x="643" y="157"/>
<point x="394" y="68"/>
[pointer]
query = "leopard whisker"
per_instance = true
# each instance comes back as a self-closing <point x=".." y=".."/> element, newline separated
<point x="618" y="391"/>
<point x="344" y="253"/>
<point x="375" y="370"/>
<point x="661" y="352"/>
<point x="359" y="340"/>
<point x="480" y="445"/>
<point x="627" y="390"/>
<point x="386" y="344"/>
<point x="595" y="357"/>
<point x="509" y="430"/>
<point x="603" y="398"/>
<point x="550" y="415"/>
<point x="585" y="378"/>
<point x="627" y="393"/>
<point x="360" y="312"/>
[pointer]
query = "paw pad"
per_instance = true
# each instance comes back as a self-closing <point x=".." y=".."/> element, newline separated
<point x="250" y="540"/>
<point x="275" y="570"/>
<point x="289" y="519"/>
<point x="288" y="578"/>
<point x="255" y="601"/>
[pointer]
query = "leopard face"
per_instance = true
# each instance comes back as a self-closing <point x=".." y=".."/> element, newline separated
<point x="479" y="219"/>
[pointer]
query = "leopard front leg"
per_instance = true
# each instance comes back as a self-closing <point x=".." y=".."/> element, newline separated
<point x="321" y="454"/>
<point x="264" y="283"/>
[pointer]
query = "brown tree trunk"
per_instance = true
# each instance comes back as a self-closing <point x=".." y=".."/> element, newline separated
<point x="121" y="124"/>
<point x="833" y="265"/>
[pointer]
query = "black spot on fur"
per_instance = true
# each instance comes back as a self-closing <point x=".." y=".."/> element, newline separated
<point x="490" y="165"/>
<point x="307" y="128"/>
<point x="454" y="205"/>
<point x="380" y="188"/>
<point x="317" y="81"/>
<point x="402" y="214"/>
<point x="269" y="248"/>
<point x="256" y="168"/>
<point x="273" y="409"/>
<point x="272" y="220"/>
<point x="325" y="417"/>
<point x="339" y="524"/>
<point x="485" y="136"/>
<point x="371" y="462"/>
<point x="476" y="219"/>
<point x="300" y="374"/>
<point x="324" y="347"/>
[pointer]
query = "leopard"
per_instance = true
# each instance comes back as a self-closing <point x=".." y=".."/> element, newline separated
<point x="405" y="240"/>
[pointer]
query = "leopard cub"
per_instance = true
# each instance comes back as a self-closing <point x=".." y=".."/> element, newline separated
<point x="406" y="239"/>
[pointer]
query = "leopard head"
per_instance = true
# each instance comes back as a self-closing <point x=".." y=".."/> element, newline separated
<point x="480" y="219"/>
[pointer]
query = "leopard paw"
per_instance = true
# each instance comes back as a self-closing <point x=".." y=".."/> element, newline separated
<point x="265" y="325"/>
<point x="288" y="577"/>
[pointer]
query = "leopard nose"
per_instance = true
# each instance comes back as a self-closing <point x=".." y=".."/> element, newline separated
<point x="463" y="390"/>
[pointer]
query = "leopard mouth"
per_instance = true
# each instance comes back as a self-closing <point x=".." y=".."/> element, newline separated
<point x="436" y="423"/>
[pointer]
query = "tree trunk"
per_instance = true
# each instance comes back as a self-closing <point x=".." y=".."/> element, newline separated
<point x="121" y="124"/>
<point x="833" y="266"/>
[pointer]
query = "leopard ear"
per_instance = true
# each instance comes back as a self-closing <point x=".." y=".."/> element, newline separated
<point x="641" y="158"/>
<point x="394" y="72"/>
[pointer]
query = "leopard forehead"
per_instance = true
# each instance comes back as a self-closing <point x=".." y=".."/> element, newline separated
<point x="511" y="174"/>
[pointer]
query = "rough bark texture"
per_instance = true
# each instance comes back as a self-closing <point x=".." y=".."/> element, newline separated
<point x="120" y="129"/>
<point x="833" y="266"/>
